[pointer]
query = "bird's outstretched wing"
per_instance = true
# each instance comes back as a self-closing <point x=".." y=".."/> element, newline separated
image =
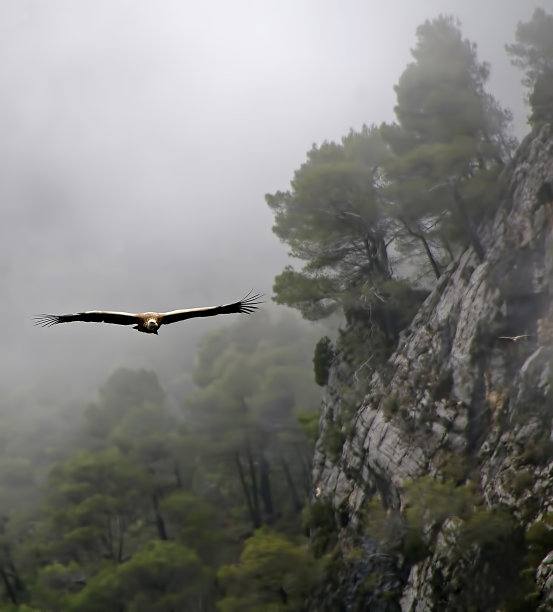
<point x="247" y="305"/>
<point x="97" y="316"/>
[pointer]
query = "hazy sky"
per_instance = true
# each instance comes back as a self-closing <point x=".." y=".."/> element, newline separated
<point x="139" y="139"/>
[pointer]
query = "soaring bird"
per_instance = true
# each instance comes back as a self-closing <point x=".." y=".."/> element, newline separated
<point x="150" y="322"/>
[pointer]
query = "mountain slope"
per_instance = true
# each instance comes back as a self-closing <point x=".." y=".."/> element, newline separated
<point x="460" y="397"/>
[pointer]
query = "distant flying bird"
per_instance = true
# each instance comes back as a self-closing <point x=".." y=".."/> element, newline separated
<point x="515" y="338"/>
<point x="150" y="322"/>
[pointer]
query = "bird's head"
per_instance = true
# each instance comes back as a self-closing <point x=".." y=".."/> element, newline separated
<point x="152" y="326"/>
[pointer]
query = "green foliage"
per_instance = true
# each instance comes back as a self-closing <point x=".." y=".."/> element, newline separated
<point x="319" y="524"/>
<point x="309" y="423"/>
<point x="454" y="469"/>
<point x="539" y="539"/>
<point x="322" y="360"/>
<point x="430" y="502"/>
<point x="541" y="99"/>
<point x="492" y="533"/>
<point x="88" y="514"/>
<point x="486" y="543"/>
<point x="415" y="548"/>
<point x="488" y="529"/>
<point x="522" y="480"/>
<point x="193" y="521"/>
<point x="273" y="574"/>
<point x="445" y="84"/>
<point x="370" y="335"/>
<point x="140" y="511"/>
<point x="383" y="524"/>
<point x="539" y="452"/>
<point x="124" y="391"/>
<point x="254" y="383"/>
<point x="386" y="316"/>
<point x="533" y="53"/>
<point x="390" y="407"/>
<point x="449" y="142"/>
<point x="134" y="521"/>
<point x="333" y="439"/>
<point x="334" y="220"/>
<point x="164" y="576"/>
<point x="56" y="582"/>
<point x="316" y="298"/>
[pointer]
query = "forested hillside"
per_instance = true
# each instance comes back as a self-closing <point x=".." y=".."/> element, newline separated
<point x="206" y="502"/>
<point x="128" y="505"/>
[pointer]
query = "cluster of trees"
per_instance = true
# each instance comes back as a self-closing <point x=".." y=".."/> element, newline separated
<point x="414" y="186"/>
<point x="147" y="510"/>
<point x="382" y="213"/>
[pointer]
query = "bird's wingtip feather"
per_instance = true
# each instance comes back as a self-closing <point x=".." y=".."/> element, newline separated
<point x="250" y="303"/>
<point x="45" y="320"/>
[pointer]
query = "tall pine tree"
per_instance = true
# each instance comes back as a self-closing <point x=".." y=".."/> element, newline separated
<point x="533" y="53"/>
<point x="450" y="141"/>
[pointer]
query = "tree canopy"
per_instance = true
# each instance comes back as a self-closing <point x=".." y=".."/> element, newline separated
<point x="533" y="53"/>
<point x="418" y="187"/>
<point x="252" y="387"/>
<point x="333" y="218"/>
<point x="451" y="140"/>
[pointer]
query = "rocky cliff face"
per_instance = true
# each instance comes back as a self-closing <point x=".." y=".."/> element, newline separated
<point x="458" y="387"/>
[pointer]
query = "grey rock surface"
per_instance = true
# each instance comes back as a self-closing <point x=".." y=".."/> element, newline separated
<point x="458" y="384"/>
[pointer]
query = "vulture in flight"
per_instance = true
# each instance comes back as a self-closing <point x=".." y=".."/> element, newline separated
<point x="150" y="322"/>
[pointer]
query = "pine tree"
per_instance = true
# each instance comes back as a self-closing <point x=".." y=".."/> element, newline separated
<point x="333" y="220"/>
<point x="533" y="53"/>
<point x="450" y="142"/>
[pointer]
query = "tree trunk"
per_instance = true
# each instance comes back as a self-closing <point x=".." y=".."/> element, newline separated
<point x="426" y="246"/>
<point x="291" y="486"/>
<point x="11" y="571"/>
<point x="120" y="529"/>
<point x="10" y="591"/>
<point x="160" y="523"/>
<point x="265" y="487"/>
<point x="377" y="256"/>
<point x="255" y="489"/>
<point x="467" y="222"/>
<point x="429" y="254"/>
<point x="108" y="539"/>
<point x="255" y="519"/>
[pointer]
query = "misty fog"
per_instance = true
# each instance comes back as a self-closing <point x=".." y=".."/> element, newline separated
<point x="139" y="139"/>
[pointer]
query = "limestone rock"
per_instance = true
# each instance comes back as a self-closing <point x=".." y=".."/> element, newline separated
<point x="459" y="384"/>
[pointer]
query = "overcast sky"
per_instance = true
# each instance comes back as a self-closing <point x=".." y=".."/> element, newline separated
<point x="139" y="139"/>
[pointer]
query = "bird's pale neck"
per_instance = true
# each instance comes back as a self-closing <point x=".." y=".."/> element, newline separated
<point x="151" y="325"/>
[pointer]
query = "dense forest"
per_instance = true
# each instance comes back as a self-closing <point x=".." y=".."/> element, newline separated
<point x="132" y="504"/>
